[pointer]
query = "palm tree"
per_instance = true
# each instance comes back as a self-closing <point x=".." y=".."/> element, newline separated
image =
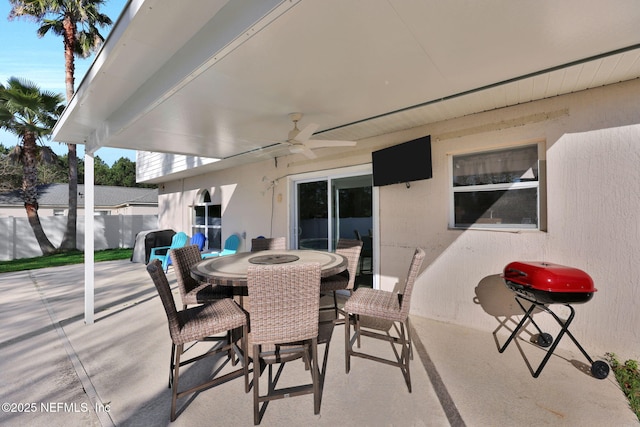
<point x="30" y="114"/>
<point x="77" y="21"/>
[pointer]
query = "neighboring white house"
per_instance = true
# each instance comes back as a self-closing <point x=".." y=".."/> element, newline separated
<point x="533" y="113"/>
<point x="53" y="200"/>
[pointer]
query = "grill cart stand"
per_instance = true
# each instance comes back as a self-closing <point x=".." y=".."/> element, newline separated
<point x="599" y="368"/>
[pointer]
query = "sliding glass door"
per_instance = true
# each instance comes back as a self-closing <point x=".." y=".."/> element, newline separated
<point x="330" y="208"/>
<point x="313" y="215"/>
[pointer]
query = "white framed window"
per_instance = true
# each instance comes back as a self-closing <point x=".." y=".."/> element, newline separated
<point x="498" y="189"/>
<point x="207" y="219"/>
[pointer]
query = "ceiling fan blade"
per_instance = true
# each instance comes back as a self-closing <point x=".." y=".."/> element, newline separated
<point x="306" y="133"/>
<point x="309" y="153"/>
<point x="303" y="149"/>
<point x="319" y="143"/>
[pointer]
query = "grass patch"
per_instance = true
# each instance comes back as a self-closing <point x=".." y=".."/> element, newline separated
<point x="628" y="377"/>
<point x="67" y="258"/>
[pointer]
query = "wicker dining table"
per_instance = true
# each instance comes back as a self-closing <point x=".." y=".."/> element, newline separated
<point x="231" y="270"/>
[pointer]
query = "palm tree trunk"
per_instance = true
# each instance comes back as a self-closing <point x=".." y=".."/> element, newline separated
<point x="70" y="234"/>
<point x="30" y="193"/>
<point x="69" y="239"/>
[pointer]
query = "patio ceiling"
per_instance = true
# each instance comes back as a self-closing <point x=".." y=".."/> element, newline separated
<point x="218" y="78"/>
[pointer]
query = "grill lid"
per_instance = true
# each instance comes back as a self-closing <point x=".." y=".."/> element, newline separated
<point x="548" y="277"/>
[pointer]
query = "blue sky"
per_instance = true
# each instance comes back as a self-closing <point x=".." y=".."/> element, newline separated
<point x="41" y="60"/>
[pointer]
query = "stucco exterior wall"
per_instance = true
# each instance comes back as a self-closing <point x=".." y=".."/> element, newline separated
<point x="246" y="203"/>
<point x="592" y="150"/>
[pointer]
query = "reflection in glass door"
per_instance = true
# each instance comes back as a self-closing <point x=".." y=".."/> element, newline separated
<point x="352" y="216"/>
<point x="313" y="215"/>
<point x="328" y="209"/>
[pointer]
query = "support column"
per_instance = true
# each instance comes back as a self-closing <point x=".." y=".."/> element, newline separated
<point x="89" y="226"/>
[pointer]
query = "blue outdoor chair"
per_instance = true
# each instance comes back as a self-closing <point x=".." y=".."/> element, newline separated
<point x="231" y="246"/>
<point x="198" y="239"/>
<point x="162" y="252"/>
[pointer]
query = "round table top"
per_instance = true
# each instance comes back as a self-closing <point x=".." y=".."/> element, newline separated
<point x="231" y="270"/>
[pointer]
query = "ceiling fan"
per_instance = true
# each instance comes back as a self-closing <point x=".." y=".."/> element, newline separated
<point x="299" y="140"/>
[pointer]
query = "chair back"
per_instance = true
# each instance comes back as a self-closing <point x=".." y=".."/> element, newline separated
<point x="231" y="245"/>
<point x="404" y="297"/>
<point x="183" y="259"/>
<point x="177" y="241"/>
<point x="350" y="249"/>
<point x="284" y="301"/>
<point x="263" y="244"/>
<point x="154" y="268"/>
<point x="198" y="239"/>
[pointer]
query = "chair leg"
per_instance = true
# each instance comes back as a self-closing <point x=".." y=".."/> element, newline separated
<point x="409" y="338"/>
<point x="230" y="353"/>
<point x="340" y="311"/>
<point x="176" y="355"/>
<point x="306" y="357"/>
<point x="315" y="376"/>
<point x="173" y="355"/>
<point x="347" y="343"/>
<point x="256" y="384"/>
<point x="335" y="304"/>
<point x="405" y="355"/>
<point x="176" y="373"/>
<point x="245" y="351"/>
<point x="403" y="339"/>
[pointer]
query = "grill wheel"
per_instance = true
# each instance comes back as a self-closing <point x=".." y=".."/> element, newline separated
<point x="600" y="369"/>
<point x="544" y="339"/>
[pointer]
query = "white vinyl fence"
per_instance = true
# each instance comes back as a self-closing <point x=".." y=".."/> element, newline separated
<point x="111" y="231"/>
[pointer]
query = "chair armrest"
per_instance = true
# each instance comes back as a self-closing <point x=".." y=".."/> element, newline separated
<point x="159" y="248"/>
<point x="209" y="254"/>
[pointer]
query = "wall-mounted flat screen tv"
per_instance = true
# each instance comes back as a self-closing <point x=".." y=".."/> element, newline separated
<point x="409" y="161"/>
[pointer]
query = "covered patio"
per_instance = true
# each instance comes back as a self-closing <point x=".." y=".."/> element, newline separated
<point x="110" y="374"/>
<point x="205" y="88"/>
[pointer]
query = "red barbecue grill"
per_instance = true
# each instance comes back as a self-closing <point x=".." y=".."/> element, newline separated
<point x="542" y="283"/>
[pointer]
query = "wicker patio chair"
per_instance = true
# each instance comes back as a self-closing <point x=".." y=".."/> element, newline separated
<point x="263" y="244"/>
<point x="284" y="301"/>
<point x="383" y="310"/>
<point x="350" y="249"/>
<point x="191" y="291"/>
<point x="367" y="250"/>
<point x="198" y="324"/>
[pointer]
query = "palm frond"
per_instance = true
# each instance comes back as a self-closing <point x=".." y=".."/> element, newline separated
<point x="25" y="109"/>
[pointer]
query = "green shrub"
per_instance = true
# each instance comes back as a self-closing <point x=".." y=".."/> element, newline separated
<point x="628" y="377"/>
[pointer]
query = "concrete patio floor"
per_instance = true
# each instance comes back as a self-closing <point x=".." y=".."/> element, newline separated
<point x="57" y="371"/>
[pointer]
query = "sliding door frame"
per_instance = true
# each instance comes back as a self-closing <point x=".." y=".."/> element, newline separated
<point x="329" y="175"/>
